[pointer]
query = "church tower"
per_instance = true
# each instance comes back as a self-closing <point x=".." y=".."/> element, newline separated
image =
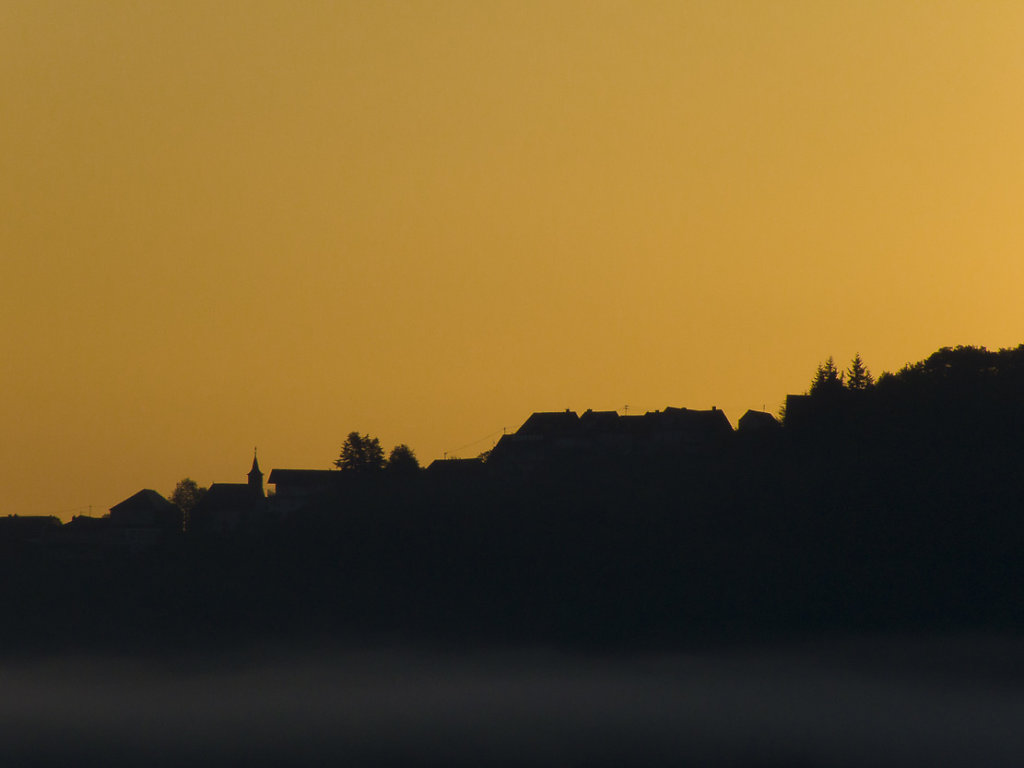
<point x="255" y="476"/>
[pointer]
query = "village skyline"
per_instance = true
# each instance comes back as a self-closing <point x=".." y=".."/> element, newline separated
<point x="888" y="503"/>
<point x="271" y="225"/>
<point x="604" y="268"/>
<point x="472" y="449"/>
<point x="644" y="432"/>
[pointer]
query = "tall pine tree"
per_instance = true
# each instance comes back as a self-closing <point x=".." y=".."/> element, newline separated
<point x="827" y="379"/>
<point x="858" y="376"/>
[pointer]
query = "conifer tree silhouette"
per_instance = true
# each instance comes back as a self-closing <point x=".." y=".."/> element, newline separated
<point x="858" y="376"/>
<point x="827" y="379"/>
<point x="360" y="453"/>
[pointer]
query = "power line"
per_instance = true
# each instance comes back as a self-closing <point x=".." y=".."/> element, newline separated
<point x="476" y="442"/>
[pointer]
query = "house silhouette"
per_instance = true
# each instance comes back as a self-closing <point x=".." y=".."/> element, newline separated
<point x="227" y="507"/>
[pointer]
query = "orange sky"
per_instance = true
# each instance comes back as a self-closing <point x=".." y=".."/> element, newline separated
<point x="271" y="223"/>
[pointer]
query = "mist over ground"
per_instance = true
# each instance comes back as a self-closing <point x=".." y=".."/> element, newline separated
<point x="952" y="701"/>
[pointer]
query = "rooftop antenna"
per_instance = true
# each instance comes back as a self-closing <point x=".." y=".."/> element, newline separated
<point x="625" y="409"/>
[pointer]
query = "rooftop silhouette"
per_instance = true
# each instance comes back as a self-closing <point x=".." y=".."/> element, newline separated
<point x="891" y="504"/>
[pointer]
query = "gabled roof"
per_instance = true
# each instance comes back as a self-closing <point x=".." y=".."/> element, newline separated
<point x="228" y="493"/>
<point x="227" y="498"/>
<point x="147" y="508"/>
<point x="713" y="420"/>
<point x="757" y="420"/>
<point x="303" y="476"/>
<point x="145" y="500"/>
<point x="455" y="465"/>
<point x="550" y="423"/>
<point x="87" y="523"/>
<point x="599" y="420"/>
<point x="563" y="423"/>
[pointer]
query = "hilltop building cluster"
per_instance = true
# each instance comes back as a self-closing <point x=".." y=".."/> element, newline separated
<point x="147" y="520"/>
<point x="545" y="436"/>
<point x="893" y="504"/>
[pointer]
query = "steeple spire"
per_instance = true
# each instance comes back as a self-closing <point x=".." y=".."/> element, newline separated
<point x="255" y="476"/>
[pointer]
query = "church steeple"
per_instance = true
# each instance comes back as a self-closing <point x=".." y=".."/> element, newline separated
<point x="255" y="476"/>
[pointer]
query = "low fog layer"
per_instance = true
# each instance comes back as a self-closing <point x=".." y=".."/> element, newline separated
<point x="879" y="702"/>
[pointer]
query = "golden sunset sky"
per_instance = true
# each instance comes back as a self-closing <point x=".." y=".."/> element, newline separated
<point x="227" y="225"/>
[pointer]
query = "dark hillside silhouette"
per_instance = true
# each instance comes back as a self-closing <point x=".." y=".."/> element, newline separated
<point x="895" y="505"/>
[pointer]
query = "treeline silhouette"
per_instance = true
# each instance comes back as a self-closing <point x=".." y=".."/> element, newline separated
<point x="894" y="505"/>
